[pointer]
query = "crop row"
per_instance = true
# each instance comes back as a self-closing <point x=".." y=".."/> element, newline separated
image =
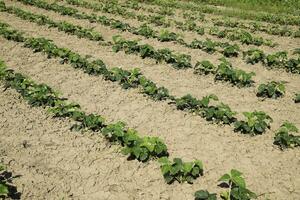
<point x="127" y="79"/>
<point x="255" y="26"/>
<point x="266" y="17"/>
<point x="223" y="72"/>
<point x="208" y="46"/>
<point x="275" y="60"/>
<point x="140" y="148"/>
<point x="189" y="25"/>
<point x="194" y="16"/>
<point x="134" y="145"/>
<point x="255" y="123"/>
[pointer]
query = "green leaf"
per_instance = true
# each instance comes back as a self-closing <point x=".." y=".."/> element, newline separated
<point x="3" y="190"/>
<point x="225" y="177"/>
<point x="239" y="181"/>
<point x="187" y="168"/>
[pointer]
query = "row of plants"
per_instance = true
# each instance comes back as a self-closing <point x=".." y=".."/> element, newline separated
<point x="140" y="148"/>
<point x="236" y="188"/>
<point x="275" y="60"/>
<point x="163" y="35"/>
<point x="134" y="145"/>
<point x="188" y="25"/>
<point x="208" y="46"/>
<point x="127" y="79"/>
<point x="158" y="20"/>
<point x="220" y="113"/>
<point x="113" y="7"/>
<point x="242" y="36"/>
<point x="224" y="72"/>
<point x="256" y="122"/>
<point x="282" y="19"/>
<point x="256" y="26"/>
<point x="44" y="20"/>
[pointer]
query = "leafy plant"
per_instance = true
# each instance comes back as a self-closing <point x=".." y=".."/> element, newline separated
<point x="254" y="56"/>
<point x="256" y="123"/>
<point x="284" y="139"/>
<point x="192" y="104"/>
<point x="180" y="171"/>
<point x="151" y="89"/>
<point x="144" y="148"/>
<point x="7" y="188"/>
<point x="272" y="89"/>
<point x="297" y="98"/>
<point x="220" y="113"/>
<point x="205" y="195"/>
<point x="166" y="36"/>
<point x="90" y="122"/>
<point x="204" y="67"/>
<point x="141" y="148"/>
<point x="146" y="31"/>
<point x="226" y="72"/>
<point x="231" y="50"/>
<point x="236" y="187"/>
<point x="276" y="60"/>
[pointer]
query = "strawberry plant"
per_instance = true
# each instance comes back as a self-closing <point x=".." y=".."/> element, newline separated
<point x="141" y="148"/>
<point x="89" y="122"/>
<point x="272" y="89"/>
<point x="205" y="195"/>
<point x="10" y="34"/>
<point x="257" y="122"/>
<point x="166" y="36"/>
<point x="7" y="188"/>
<point x="192" y="104"/>
<point x="66" y="110"/>
<point x="220" y="113"/>
<point x="297" y="98"/>
<point x="204" y="67"/>
<point x="240" y="78"/>
<point x="144" y="148"/>
<point x="231" y="50"/>
<point x="145" y="31"/>
<point x="180" y="171"/>
<point x="236" y="185"/>
<point x="127" y="79"/>
<point x="276" y="60"/>
<point x="151" y="89"/>
<point x="254" y="56"/>
<point x="284" y="139"/>
<point x="293" y="65"/>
